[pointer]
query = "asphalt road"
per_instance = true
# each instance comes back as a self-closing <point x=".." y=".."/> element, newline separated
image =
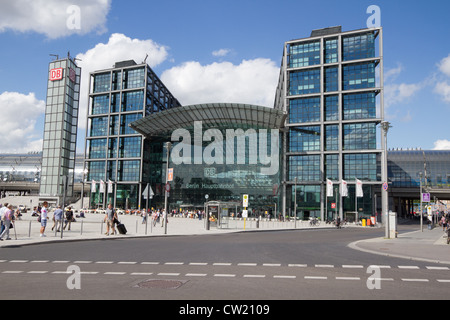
<point x="278" y="265"/>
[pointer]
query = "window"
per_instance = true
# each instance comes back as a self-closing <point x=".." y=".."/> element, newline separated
<point x="359" y="46"/>
<point x="304" y="168"/>
<point x="359" y="106"/>
<point x="112" y="148"/>
<point x="358" y="76"/>
<point x="361" y="166"/>
<point x="99" y="127"/>
<point x="96" y="170"/>
<point x="304" y="54"/>
<point x="359" y="136"/>
<point x="331" y="108"/>
<point x="130" y="147"/>
<point x="100" y="104"/>
<point x="134" y="78"/>
<point x="114" y="125"/>
<point x="129" y="170"/>
<point x="304" y="110"/>
<point x="132" y="101"/>
<point x="304" y="139"/>
<point x="331" y="79"/>
<point x="117" y="80"/>
<point x="126" y="119"/>
<point x="115" y="102"/>
<point x="331" y="137"/>
<point x="331" y="50"/>
<point x="304" y="82"/>
<point x="102" y="82"/>
<point x="97" y="148"/>
<point x="332" y="166"/>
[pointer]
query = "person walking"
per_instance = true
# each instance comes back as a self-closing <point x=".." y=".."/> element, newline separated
<point x="44" y="217"/>
<point x="2" y="212"/>
<point x="110" y="218"/>
<point x="7" y="219"/>
<point x="57" y="217"/>
<point x="69" y="218"/>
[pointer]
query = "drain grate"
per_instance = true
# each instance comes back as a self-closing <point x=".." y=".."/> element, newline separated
<point x="160" y="284"/>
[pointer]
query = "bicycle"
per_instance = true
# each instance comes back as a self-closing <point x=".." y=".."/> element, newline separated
<point x="314" y="222"/>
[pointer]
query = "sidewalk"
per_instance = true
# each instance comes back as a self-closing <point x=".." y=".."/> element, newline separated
<point x="26" y="231"/>
<point x="426" y="245"/>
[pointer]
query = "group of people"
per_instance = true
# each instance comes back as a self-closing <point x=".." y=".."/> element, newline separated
<point x="58" y="216"/>
<point x="7" y="217"/>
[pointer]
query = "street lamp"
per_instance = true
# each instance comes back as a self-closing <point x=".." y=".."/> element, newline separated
<point x="385" y="125"/>
<point x="168" y="146"/>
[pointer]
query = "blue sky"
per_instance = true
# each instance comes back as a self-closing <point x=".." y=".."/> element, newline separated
<point x="210" y="51"/>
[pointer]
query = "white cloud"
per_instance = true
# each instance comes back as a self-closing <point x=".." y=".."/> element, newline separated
<point x="443" y="89"/>
<point x="252" y="82"/>
<point x="396" y="93"/>
<point x="103" y="56"/>
<point x="444" y="65"/>
<point x="442" y="145"/>
<point x="19" y="116"/>
<point x="221" y="52"/>
<point x="54" y="18"/>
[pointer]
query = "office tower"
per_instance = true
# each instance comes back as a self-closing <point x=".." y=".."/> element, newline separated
<point x="117" y="162"/>
<point x="331" y="87"/>
<point x="60" y="131"/>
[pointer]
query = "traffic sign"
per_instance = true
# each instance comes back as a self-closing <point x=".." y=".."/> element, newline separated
<point x="333" y="205"/>
<point x="426" y="197"/>
<point x="385" y="186"/>
<point x="170" y="174"/>
<point x="146" y="192"/>
<point x="167" y="187"/>
<point x="245" y="201"/>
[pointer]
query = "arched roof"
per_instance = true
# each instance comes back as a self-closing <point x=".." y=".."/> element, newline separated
<point x="211" y="115"/>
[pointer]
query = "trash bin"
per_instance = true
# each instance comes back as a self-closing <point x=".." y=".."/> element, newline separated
<point x="368" y="222"/>
<point x="363" y="222"/>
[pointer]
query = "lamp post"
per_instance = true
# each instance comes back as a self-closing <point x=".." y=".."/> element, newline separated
<point x="168" y="146"/>
<point x="384" y="193"/>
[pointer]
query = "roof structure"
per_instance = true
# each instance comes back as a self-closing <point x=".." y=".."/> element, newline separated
<point x="211" y="115"/>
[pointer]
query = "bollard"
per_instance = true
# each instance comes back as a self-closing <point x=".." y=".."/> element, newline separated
<point x="81" y="233"/>
<point x="29" y="230"/>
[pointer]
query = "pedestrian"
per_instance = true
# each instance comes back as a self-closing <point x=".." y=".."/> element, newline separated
<point x="44" y="217"/>
<point x="443" y="223"/>
<point x="2" y="211"/>
<point x="69" y="218"/>
<point x="110" y="218"/>
<point x="7" y="219"/>
<point x="57" y="217"/>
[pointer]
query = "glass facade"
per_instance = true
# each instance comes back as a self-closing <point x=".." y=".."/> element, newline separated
<point x="304" y="82"/>
<point x="332" y="99"/>
<point x="238" y="173"/>
<point x="114" y="151"/>
<point x="304" y="110"/>
<point x="405" y="167"/>
<point x="304" y="54"/>
<point x="60" y="129"/>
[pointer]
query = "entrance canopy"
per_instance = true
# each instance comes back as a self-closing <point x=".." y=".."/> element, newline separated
<point x="211" y="115"/>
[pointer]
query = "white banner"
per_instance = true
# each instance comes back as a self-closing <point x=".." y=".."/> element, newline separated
<point x="344" y="189"/>
<point x="102" y="186"/>
<point x="110" y="186"/>
<point x="93" y="186"/>
<point x="329" y="188"/>
<point x="359" y="190"/>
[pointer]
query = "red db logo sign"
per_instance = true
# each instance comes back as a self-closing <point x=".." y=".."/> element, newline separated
<point x="56" y="74"/>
